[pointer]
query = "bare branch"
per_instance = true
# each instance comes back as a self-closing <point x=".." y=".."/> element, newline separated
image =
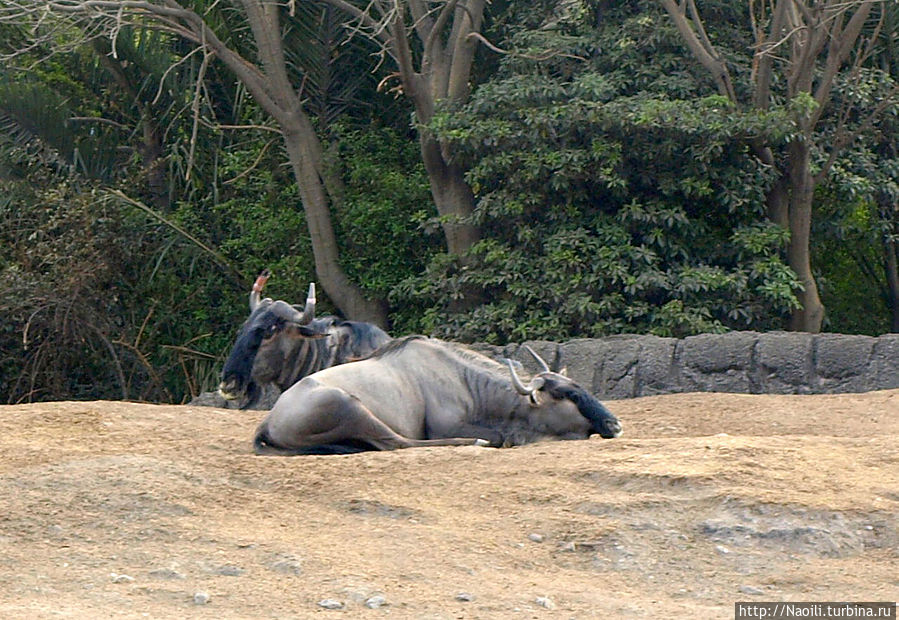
<point x="97" y="119"/>
<point x="463" y="49"/>
<point x="421" y="18"/>
<point x="842" y="44"/>
<point x="539" y="58"/>
<point x="707" y="57"/>
<point x="764" y="58"/>
<point x="431" y="43"/>
<point x="216" y="256"/>
<point x="403" y="54"/>
<point x="375" y="26"/>
<point x="169" y="70"/>
<point x="142" y="358"/>
<point x="252" y="166"/>
<point x="201" y="75"/>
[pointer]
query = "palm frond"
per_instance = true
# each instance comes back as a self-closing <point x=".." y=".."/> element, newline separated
<point x="34" y="127"/>
<point x="334" y="69"/>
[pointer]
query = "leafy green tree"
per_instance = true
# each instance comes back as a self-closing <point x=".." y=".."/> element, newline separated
<point x="804" y="53"/>
<point x="228" y="208"/>
<point x="615" y="197"/>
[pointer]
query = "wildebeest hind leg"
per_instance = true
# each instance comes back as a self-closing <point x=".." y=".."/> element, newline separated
<point x="320" y="417"/>
<point x="489" y="436"/>
<point x="373" y="431"/>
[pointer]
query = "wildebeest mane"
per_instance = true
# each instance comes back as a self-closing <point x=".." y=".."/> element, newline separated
<point x="451" y="348"/>
<point x="365" y="338"/>
<point x="395" y="346"/>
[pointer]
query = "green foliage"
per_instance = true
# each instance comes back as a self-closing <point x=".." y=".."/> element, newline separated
<point x="387" y="202"/>
<point x="609" y="207"/>
<point x="858" y="219"/>
<point x="860" y="211"/>
<point x="87" y="315"/>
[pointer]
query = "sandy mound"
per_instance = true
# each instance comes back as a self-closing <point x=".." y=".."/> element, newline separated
<point x="130" y="510"/>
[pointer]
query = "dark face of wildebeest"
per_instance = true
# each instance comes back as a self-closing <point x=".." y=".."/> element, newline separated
<point x="561" y="390"/>
<point x="263" y="350"/>
<point x="256" y="355"/>
<point x="280" y="344"/>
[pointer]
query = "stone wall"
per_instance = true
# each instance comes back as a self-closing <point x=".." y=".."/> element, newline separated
<point x="744" y="362"/>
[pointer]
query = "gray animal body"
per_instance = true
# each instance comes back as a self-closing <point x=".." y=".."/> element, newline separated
<point x="418" y="391"/>
<point x="280" y="344"/>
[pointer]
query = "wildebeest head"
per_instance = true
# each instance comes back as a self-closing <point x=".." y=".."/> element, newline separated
<point x="561" y="398"/>
<point x="265" y="340"/>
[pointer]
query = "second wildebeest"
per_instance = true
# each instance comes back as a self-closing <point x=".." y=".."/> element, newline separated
<point x="280" y="344"/>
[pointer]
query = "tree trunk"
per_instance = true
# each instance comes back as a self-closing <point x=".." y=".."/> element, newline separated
<point x="304" y="152"/>
<point x="892" y="276"/>
<point x="452" y="196"/>
<point x="810" y="316"/>
<point x="151" y="149"/>
<point x="777" y="200"/>
<point x="891" y="264"/>
<point x="444" y="75"/>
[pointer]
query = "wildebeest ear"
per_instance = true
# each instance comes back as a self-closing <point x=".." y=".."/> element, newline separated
<point x="311" y="332"/>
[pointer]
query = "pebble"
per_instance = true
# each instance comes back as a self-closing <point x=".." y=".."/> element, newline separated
<point x="375" y="602"/>
<point x="545" y="601"/>
<point x="752" y="590"/>
<point x="287" y="567"/>
<point x="201" y="598"/>
<point x="465" y="597"/>
<point x="330" y="603"/>
<point x="535" y="537"/>
<point x="117" y="578"/>
<point x="166" y="573"/>
<point x="722" y="549"/>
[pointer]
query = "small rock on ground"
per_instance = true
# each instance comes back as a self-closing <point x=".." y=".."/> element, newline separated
<point x="546" y="602"/>
<point x="375" y="602"/>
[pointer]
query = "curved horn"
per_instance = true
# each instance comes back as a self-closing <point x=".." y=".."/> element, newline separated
<point x="309" y="310"/>
<point x="521" y="388"/>
<point x="537" y="358"/>
<point x="258" y="285"/>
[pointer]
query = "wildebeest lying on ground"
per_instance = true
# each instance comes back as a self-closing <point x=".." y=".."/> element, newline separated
<point x="280" y="344"/>
<point x="418" y="391"/>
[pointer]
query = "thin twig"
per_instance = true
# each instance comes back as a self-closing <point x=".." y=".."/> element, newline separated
<point x="216" y="256"/>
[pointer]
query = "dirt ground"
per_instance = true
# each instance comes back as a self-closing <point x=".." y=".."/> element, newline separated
<point x="113" y="509"/>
